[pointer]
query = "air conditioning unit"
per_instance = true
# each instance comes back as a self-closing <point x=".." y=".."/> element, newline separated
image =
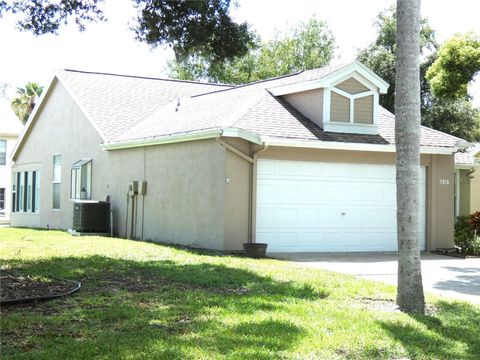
<point x="91" y="216"/>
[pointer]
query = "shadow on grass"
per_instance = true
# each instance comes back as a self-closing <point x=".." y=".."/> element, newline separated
<point x="449" y="335"/>
<point x="164" y="303"/>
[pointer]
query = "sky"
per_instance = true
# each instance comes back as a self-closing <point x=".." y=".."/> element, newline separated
<point x="111" y="47"/>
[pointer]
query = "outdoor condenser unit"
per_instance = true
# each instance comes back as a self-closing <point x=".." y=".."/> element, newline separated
<point x="91" y="216"/>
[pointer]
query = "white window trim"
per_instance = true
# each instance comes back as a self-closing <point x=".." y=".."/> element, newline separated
<point x="77" y="166"/>
<point x="34" y="210"/>
<point x="57" y="182"/>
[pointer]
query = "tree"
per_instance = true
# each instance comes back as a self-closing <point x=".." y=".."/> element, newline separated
<point x="190" y="27"/>
<point x="457" y="117"/>
<point x="25" y="100"/>
<point x="457" y="64"/>
<point x="410" y="297"/>
<point x="308" y="45"/>
<point x="381" y="54"/>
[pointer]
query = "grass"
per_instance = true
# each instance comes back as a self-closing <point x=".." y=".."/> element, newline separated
<point x="148" y="301"/>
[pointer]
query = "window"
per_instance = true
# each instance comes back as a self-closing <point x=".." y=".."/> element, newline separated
<point x="26" y="191"/>
<point x="57" y="180"/>
<point x="3" y="152"/>
<point x="81" y="180"/>
<point x="14" y="192"/>
<point x="2" y="201"/>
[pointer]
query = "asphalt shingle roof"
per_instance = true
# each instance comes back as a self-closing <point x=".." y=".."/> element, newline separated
<point x="132" y="108"/>
<point x="117" y="102"/>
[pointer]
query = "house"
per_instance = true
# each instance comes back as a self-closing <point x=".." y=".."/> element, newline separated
<point x="304" y="162"/>
<point x="467" y="181"/>
<point x="10" y="129"/>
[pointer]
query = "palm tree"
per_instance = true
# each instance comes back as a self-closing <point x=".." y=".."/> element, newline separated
<point x="410" y="297"/>
<point x="25" y="100"/>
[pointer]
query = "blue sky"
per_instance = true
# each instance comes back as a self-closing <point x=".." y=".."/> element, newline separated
<point x="110" y="47"/>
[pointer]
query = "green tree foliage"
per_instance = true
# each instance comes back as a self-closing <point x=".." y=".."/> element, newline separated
<point x="454" y="116"/>
<point x="25" y="100"/>
<point x="44" y="17"/>
<point x="457" y="63"/>
<point x="380" y="55"/>
<point x="308" y="45"/>
<point x="202" y="27"/>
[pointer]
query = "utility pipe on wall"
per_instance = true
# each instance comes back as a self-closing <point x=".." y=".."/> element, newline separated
<point x="252" y="184"/>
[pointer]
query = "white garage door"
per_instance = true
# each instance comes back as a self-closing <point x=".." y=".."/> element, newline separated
<point x="305" y="206"/>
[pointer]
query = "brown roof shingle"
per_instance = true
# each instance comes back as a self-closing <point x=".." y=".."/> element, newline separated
<point x="132" y="108"/>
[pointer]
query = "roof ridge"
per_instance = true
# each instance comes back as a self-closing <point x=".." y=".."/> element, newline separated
<point x="251" y="83"/>
<point x="147" y="77"/>
<point x="273" y="79"/>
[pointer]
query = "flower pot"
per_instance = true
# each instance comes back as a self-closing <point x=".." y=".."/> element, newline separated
<point x="255" y="250"/>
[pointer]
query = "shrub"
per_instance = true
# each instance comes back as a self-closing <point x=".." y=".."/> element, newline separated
<point x="466" y="237"/>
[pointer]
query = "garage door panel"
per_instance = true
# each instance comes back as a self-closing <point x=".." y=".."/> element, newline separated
<point x="334" y="170"/>
<point x="311" y="169"/>
<point x="353" y="193"/>
<point x="309" y="217"/>
<point x="314" y="206"/>
<point x="353" y="218"/>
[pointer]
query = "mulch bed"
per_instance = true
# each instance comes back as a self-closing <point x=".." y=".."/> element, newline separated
<point x="21" y="289"/>
<point x="455" y="254"/>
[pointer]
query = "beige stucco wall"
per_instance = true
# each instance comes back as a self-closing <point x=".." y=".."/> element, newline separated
<point x="309" y="103"/>
<point x="5" y="178"/>
<point x="439" y="197"/>
<point x="469" y="191"/>
<point x="237" y="195"/>
<point x="464" y="184"/>
<point x="475" y="191"/>
<point x="186" y="182"/>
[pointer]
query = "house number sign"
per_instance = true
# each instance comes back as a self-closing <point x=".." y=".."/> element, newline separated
<point x="444" y="182"/>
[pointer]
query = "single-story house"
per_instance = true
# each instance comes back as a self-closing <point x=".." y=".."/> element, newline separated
<point x="467" y="181"/>
<point x="10" y="129"/>
<point x="303" y="162"/>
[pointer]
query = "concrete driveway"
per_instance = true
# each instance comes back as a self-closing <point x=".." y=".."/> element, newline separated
<point x="443" y="275"/>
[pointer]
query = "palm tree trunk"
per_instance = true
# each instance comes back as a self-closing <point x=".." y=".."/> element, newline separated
<point x="410" y="296"/>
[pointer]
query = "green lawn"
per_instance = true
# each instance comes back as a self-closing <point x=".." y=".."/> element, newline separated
<point x="148" y="301"/>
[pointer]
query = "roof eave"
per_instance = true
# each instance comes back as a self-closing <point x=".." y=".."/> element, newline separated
<point x="334" y="145"/>
<point x="183" y="137"/>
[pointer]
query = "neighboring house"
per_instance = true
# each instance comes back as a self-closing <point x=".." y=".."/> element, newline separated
<point x="10" y="129"/>
<point x="467" y="181"/>
<point x="304" y="162"/>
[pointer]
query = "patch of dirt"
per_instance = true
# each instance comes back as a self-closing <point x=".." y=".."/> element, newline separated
<point x="24" y="287"/>
<point x="387" y="305"/>
<point x="115" y="282"/>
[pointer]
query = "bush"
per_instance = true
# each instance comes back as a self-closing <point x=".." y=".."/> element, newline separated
<point x="466" y="230"/>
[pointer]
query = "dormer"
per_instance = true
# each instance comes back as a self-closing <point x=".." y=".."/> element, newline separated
<point x="344" y="101"/>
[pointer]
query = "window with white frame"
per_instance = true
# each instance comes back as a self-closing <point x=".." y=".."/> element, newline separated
<point x="81" y="180"/>
<point x="57" y="181"/>
<point x="3" y="152"/>
<point x="26" y="191"/>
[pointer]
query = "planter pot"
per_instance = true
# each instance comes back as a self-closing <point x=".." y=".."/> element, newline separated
<point x="255" y="250"/>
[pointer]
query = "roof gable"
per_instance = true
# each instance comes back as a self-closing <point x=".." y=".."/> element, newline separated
<point x="115" y="103"/>
<point x="356" y="69"/>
